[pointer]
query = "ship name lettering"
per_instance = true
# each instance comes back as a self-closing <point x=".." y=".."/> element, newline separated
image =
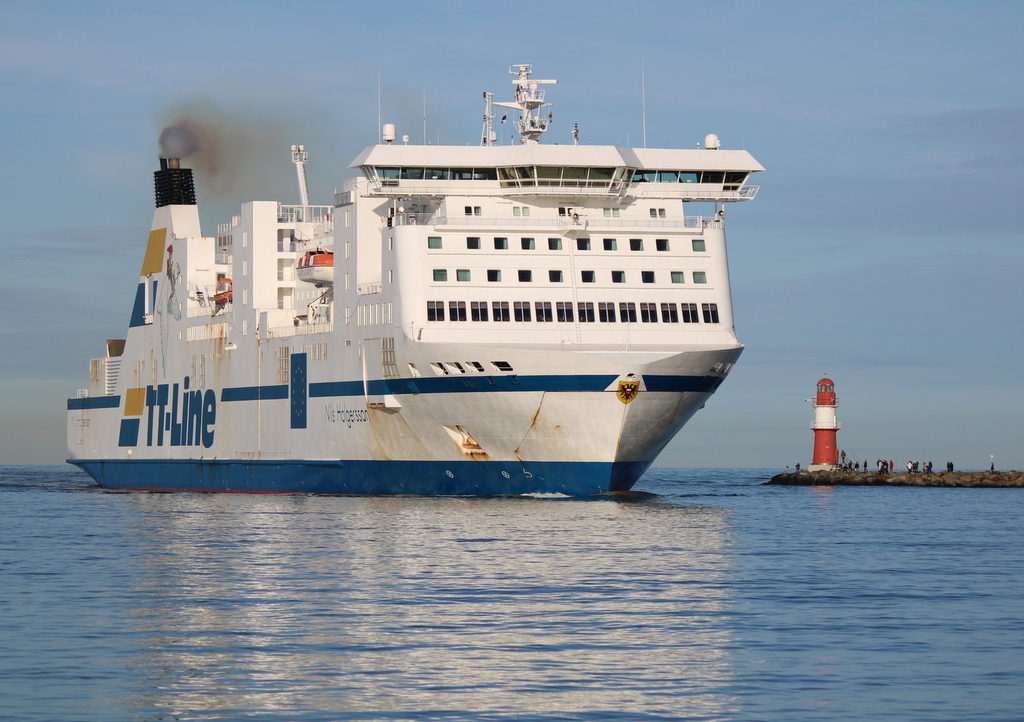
<point x="341" y="415"/>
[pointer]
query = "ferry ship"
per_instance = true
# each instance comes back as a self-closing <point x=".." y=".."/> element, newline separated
<point x="493" y="319"/>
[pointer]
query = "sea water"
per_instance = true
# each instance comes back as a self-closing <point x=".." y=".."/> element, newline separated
<point x="709" y="597"/>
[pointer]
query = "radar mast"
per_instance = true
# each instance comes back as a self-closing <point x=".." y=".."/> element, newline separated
<point x="529" y="102"/>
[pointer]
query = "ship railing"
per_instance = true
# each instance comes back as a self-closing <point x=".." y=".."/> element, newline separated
<point x="222" y="258"/>
<point x="365" y="289"/>
<point x="304" y="214"/>
<point x="412" y="219"/>
<point x="580" y="222"/>
<point x="207" y="309"/>
<point x="749" y="192"/>
<point x="301" y="327"/>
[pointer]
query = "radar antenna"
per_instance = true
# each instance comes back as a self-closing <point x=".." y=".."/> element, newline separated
<point x="529" y="102"/>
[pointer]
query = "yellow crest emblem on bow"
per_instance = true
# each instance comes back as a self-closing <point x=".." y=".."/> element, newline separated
<point x="627" y="391"/>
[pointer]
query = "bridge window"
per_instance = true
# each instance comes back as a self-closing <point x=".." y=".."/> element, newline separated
<point x="710" y="311"/>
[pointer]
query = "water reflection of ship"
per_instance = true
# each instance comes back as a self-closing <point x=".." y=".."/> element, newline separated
<point x="341" y="604"/>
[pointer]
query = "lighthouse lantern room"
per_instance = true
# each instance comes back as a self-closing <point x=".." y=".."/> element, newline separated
<point x="825" y="426"/>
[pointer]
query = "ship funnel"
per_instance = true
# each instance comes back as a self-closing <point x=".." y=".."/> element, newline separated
<point x="173" y="184"/>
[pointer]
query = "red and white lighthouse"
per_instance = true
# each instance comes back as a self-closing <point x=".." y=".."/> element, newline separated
<point x="825" y="426"/>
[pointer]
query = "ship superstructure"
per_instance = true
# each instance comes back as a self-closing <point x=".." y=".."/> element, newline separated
<point x="493" y="319"/>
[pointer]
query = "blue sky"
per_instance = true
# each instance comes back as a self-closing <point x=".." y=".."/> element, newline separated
<point x="884" y="246"/>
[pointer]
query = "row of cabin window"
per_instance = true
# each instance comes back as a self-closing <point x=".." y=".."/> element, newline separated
<point x="526" y="276"/>
<point x="525" y="211"/>
<point x="564" y="312"/>
<point x="473" y="243"/>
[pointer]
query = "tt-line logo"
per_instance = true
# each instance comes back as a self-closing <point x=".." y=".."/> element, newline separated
<point x="180" y="418"/>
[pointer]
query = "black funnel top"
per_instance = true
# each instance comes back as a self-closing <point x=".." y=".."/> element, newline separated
<point x="174" y="185"/>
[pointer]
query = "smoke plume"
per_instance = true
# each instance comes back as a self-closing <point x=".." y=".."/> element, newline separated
<point x="236" y="152"/>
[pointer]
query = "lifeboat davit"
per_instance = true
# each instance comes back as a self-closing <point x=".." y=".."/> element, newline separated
<point x="316" y="267"/>
<point x="223" y="295"/>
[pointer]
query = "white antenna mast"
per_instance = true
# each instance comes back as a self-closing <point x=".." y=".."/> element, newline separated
<point x="529" y="102"/>
<point x="643" y="100"/>
<point x="488" y="137"/>
<point x="299" y="157"/>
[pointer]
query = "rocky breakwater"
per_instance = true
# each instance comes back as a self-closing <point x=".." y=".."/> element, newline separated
<point x="979" y="479"/>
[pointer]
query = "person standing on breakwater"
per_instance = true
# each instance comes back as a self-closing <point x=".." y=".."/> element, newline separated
<point x="787" y="468"/>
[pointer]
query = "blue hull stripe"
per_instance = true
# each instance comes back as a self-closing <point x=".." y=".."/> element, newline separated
<point x="438" y="385"/>
<point x="683" y="383"/>
<point x="94" y="402"/>
<point x="448" y="478"/>
<point x="455" y="384"/>
<point x="252" y="393"/>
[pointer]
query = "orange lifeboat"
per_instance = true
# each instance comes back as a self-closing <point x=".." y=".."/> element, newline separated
<point x="223" y="295"/>
<point x="316" y="267"/>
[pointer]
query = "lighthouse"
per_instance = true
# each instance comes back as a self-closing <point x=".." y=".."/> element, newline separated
<point x="825" y="426"/>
